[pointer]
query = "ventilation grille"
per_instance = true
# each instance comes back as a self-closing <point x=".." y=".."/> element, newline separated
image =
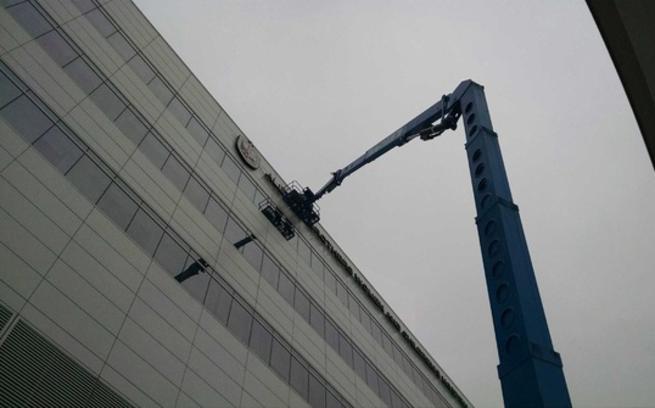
<point x="35" y="373"/>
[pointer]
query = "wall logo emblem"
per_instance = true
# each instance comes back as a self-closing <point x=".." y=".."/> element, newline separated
<point x="248" y="152"/>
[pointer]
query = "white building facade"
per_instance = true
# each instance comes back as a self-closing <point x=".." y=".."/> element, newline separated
<point x="122" y="195"/>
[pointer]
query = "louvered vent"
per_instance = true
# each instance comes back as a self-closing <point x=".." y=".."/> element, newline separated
<point x="5" y="315"/>
<point x="35" y="373"/>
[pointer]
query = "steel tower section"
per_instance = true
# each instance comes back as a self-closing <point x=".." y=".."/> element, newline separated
<point x="530" y="370"/>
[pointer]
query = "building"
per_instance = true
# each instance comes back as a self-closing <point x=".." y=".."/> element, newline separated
<point x="626" y="27"/>
<point x="124" y="188"/>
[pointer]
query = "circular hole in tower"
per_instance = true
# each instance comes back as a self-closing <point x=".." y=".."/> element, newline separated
<point x="507" y="317"/>
<point x="490" y="228"/>
<point x="476" y="155"/>
<point x="497" y="269"/>
<point x="479" y="169"/>
<point x="502" y="293"/>
<point x="486" y="199"/>
<point x="494" y="248"/>
<point x="513" y="343"/>
<point x="474" y="129"/>
<point x="482" y="185"/>
<point x="470" y="119"/>
<point x="468" y="108"/>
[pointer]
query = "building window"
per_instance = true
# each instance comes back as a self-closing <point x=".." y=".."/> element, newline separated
<point x="299" y="378"/>
<point x="286" y="288"/>
<point x="196" y="194"/>
<point x="197" y="131"/>
<point x="218" y="301"/>
<point x="216" y="215"/>
<point x="170" y="255"/>
<point x="316" y="393"/>
<point x="117" y="205"/>
<point x="26" y="118"/>
<point x="83" y="75"/>
<point x="301" y="304"/>
<point x="280" y="360"/>
<point x="145" y="232"/>
<point x="57" y="47"/>
<point x="239" y="322"/>
<point x="142" y="69"/>
<point x="317" y="320"/>
<point x="179" y="111"/>
<point x="260" y="341"/>
<point x="253" y="255"/>
<point x="100" y="22"/>
<point x="88" y="178"/>
<point x="107" y="101"/>
<point x="270" y="271"/>
<point x="131" y="126"/>
<point x="175" y="172"/>
<point x="160" y="90"/>
<point x="121" y="46"/>
<point x="58" y="149"/>
<point x="154" y="150"/>
<point x="29" y="18"/>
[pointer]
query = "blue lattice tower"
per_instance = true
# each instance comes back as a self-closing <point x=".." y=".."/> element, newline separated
<point x="530" y="370"/>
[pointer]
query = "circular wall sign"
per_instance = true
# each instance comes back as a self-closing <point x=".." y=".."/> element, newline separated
<point x="248" y="152"/>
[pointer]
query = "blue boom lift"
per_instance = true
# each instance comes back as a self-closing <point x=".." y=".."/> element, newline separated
<point x="530" y="370"/>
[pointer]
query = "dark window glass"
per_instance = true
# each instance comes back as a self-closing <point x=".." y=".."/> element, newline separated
<point x="331" y="401"/>
<point x="386" y="344"/>
<point x="83" y="75"/>
<point x="175" y="172"/>
<point x="365" y="319"/>
<point x="88" y="178"/>
<point x="26" y="118"/>
<point x="280" y="360"/>
<point x="58" y="149"/>
<point x="342" y="294"/>
<point x="359" y="365"/>
<point x="58" y="49"/>
<point x="121" y="46"/>
<point x="179" y="111"/>
<point x="353" y="306"/>
<point x="316" y="393"/>
<point x="260" y="341"/>
<point x="196" y="285"/>
<point x="231" y="169"/>
<point x="239" y="322"/>
<point x="108" y="102"/>
<point x="218" y="301"/>
<point x="299" y="378"/>
<point x="100" y="22"/>
<point x="286" y="288"/>
<point x="197" y="194"/>
<point x="246" y="186"/>
<point x="233" y="232"/>
<point x="330" y="282"/>
<point x="216" y="215"/>
<point x="142" y="69"/>
<point x="30" y="19"/>
<point x="118" y="206"/>
<point x="8" y="91"/>
<point x="145" y="232"/>
<point x="317" y="266"/>
<point x="253" y="255"/>
<point x="331" y="335"/>
<point x="154" y="150"/>
<point x="303" y="251"/>
<point x="376" y="332"/>
<point x="345" y="350"/>
<point x="270" y="271"/>
<point x="84" y="5"/>
<point x="317" y="320"/>
<point x="372" y="378"/>
<point x="160" y="90"/>
<point x="215" y="151"/>
<point x="385" y="392"/>
<point x="197" y="131"/>
<point x="301" y="304"/>
<point x="170" y="255"/>
<point x="128" y="123"/>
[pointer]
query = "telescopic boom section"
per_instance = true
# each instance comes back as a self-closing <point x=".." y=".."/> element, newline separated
<point x="446" y="110"/>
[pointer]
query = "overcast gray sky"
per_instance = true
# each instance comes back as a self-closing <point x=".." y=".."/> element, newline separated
<point x="313" y="84"/>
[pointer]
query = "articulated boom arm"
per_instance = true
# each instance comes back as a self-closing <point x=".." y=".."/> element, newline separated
<point x="446" y="110"/>
<point x="530" y="370"/>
